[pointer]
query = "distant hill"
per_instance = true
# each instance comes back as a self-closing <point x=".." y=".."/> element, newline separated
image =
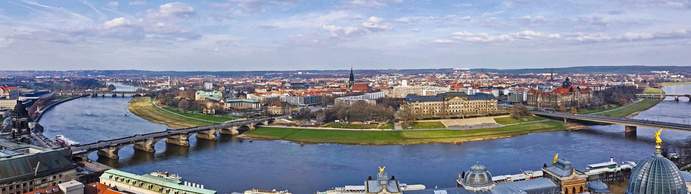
<point x="341" y="73"/>
<point x="595" y="69"/>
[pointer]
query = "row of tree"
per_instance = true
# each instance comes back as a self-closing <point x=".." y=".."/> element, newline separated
<point x="619" y="95"/>
<point x="358" y="112"/>
<point x="184" y="101"/>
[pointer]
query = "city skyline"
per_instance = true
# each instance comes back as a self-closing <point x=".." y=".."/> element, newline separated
<point x="251" y="35"/>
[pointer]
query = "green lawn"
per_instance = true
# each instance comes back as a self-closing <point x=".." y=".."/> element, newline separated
<point x="651" y="90"/>
<point x="629" y="109"/>
<point x="592" y="110"/>
<point x="144" y="107"/>
<point x="401" y="137"/>
<point x="360" y="126"/>
<point x="428" y="125"/>
<point x="510" y="120"/>
<point x="210" y="118"/>
<point x="633" y="107"/>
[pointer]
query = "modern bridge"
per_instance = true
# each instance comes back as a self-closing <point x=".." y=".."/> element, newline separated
<point x="630" y="124"/>
<point x="180" y="137"/>
<point x="663" y="96"/>
<point x="96" y="93"/>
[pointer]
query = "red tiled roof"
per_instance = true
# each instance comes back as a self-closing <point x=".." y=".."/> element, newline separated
<point x="8" y="87"/>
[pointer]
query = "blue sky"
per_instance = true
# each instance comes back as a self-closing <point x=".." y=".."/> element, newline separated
<point x="324" y="34"/>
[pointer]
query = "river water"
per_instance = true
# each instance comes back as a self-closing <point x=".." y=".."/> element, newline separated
<point x="231" y="164"/>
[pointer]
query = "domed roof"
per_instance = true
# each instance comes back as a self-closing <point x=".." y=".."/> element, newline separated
<point x="656" y="175"/>
<point x="20" y="110"/>
<point x="478" y="178"/>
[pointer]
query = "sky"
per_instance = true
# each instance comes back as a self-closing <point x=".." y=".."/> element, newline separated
<point x="241" y="35"/>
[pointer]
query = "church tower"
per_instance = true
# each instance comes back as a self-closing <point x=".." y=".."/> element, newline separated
<point x="351" y="79"/>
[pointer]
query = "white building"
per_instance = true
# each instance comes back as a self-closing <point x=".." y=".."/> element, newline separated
<point x="403" y="91"/>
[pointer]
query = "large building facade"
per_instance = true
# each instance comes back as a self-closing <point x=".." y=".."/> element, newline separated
<point x="153" y="183"/>
<point x="451" y="105"/>
<point x="561" y="98"/>
<point x="25" y="167"/>
<point x="403" y="91"/>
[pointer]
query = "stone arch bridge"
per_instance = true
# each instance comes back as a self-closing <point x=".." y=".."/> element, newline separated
<point x="179" y="137"/>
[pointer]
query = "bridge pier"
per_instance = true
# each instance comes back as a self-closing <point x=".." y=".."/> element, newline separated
<point x="145" y="146"/>
<point x="630" y="131"/>
<point x="230" y="131"/>
<point x="180" y="140"/>
<point x="676" y="98"/>
<point x="109" y="152"/>
<point x="207" y="135"/>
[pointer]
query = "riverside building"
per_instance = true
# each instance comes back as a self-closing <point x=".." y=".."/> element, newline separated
<point x="25" y="167"/>
<point x="452" y="105"/>
<point x="152" y="183"/>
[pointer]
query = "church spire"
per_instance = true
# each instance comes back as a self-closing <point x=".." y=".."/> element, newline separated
<point x="351" y="79"/>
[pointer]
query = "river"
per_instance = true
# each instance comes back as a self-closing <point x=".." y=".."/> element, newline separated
<point x="230" y="164"/>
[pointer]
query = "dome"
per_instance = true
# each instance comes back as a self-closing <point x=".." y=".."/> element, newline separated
<point x="656" y="175"/>
<point x="20" y="110"/>
<point x="478" y="178"/>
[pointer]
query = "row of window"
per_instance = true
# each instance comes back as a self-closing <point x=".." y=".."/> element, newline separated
<point x="27" y="186"/>
<point x="145" y="185"/>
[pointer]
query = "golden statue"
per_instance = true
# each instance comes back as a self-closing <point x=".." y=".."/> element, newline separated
<point x="658" y="140"/>
<point x="556" y="158"/>
<point x="381" y="169"/>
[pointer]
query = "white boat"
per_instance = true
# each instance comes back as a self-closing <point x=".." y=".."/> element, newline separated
<point x="64" y="141"/>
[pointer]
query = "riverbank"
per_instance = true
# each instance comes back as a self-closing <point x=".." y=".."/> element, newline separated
<point x="511" y="127"/>
<point x="145" y="108"/>
<point x="628" y="109"/>
<point x="58" y="101"/>
<point x="386" y="137"/>
<point x="665" y="84"/>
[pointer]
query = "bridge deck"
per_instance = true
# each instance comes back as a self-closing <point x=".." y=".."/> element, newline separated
<point x="613" y="120"/>
<point x="82" y="148"/>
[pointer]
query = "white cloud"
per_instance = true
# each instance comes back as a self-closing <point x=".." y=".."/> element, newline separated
<point x="371" y="25"/>
<point x="630" y="36"/>
<point x="373" y="3"/>
<point x="534" y="19"/>
<point x="585" y="37"/>
<point x="339" y="31"/>
<point x="116" y="22"/>
<point x="312" y="20"/>
<point x="113" y="4"/>
<point x="175" y="9"/>
<point x="137" y="2"/>
<point x="505" y="37"/>
<point x="374" y="23"/>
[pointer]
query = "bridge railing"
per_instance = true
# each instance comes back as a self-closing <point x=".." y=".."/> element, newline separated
<point x="162" y="134"/>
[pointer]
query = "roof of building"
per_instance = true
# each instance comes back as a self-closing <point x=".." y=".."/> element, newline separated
<point x="241" y="100"/>
<point x="561" y="168"/>
<point x="157" y="180"/>
<point x="656" y="174"/>
<point x="477" y="178"/>
<point x="447" y="95"/>
<point x="7" y="88"/>
<point x="382" y="182"/>
<point x="533" y="186"/>
<point x="597" y="186"/>
<point x="24" y="166"/>
<point x="538" y="185"/>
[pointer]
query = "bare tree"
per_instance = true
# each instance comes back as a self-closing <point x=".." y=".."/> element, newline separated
<point x="519" y="111"/>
